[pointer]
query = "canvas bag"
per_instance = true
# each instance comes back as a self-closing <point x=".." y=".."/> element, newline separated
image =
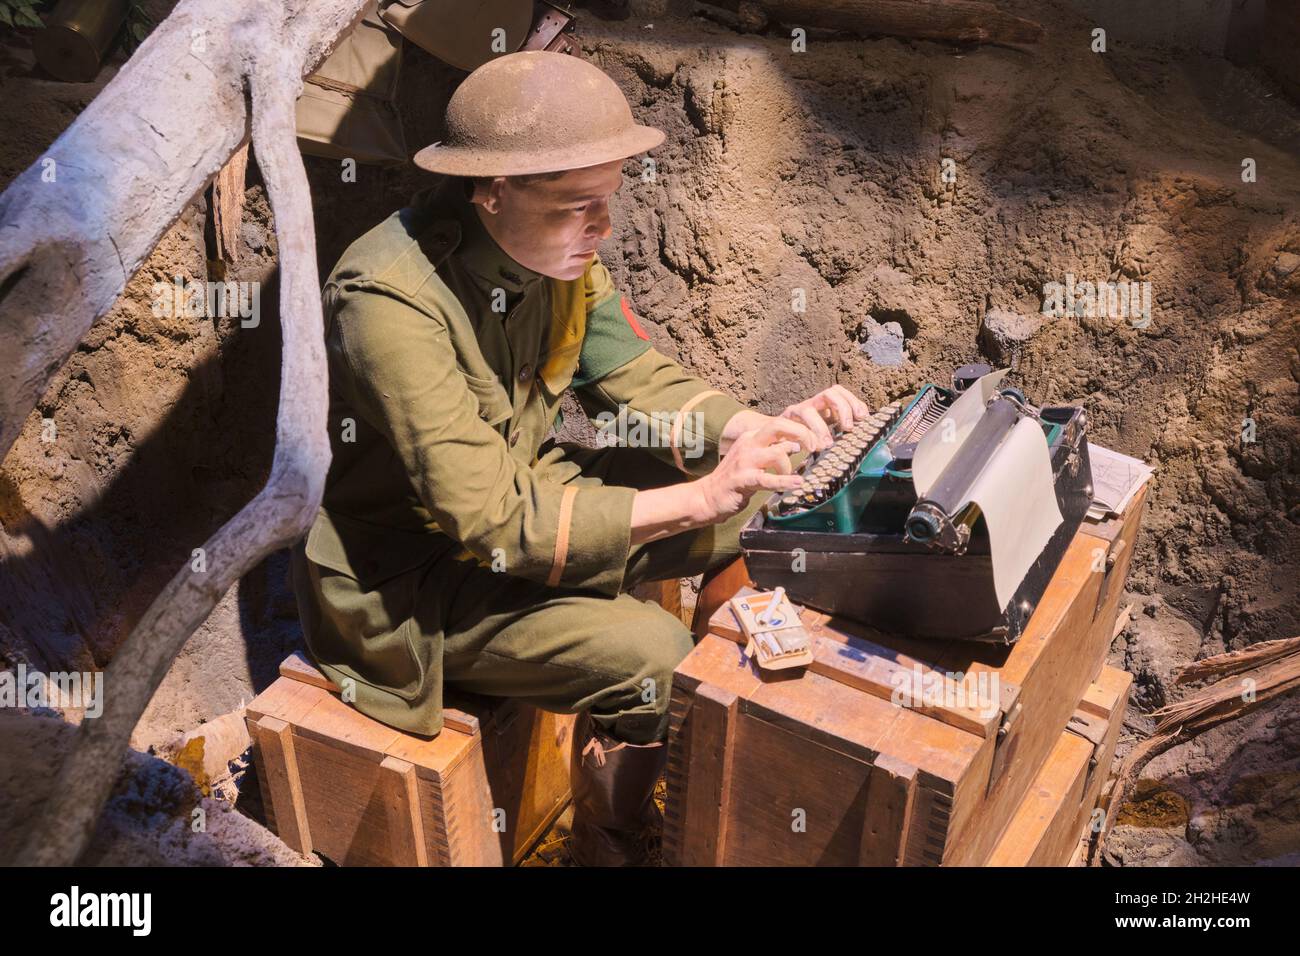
<point x="459" y="32"/>
<point x="348" y="107"/>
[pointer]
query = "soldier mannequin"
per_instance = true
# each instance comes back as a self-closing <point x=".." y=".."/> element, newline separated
<point x="456" y="542"/>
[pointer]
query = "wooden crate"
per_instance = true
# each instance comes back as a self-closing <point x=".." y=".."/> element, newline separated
<point x="1051" y="825"/>
<point x="361" y="793"/>
<point x="752" y="755"/>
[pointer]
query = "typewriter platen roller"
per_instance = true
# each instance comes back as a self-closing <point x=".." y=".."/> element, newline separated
<point x="855" y="540"/>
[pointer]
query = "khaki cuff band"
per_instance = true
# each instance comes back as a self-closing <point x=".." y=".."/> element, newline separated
<point x="562" y="536"/>
<point x="680" y="417"/>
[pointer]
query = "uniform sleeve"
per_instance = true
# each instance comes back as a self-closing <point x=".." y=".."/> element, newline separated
<point x="636" y="393"/>
<point x="398" y="369"/>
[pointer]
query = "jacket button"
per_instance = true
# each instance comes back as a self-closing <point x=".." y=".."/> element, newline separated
<point x="514" y="439"/>
<point x="525" y="373"/>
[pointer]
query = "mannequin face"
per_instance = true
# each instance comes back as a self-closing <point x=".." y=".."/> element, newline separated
<point x="551" y="226"/>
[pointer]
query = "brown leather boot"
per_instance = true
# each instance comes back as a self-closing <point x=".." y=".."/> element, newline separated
<point x="614" y="814"/>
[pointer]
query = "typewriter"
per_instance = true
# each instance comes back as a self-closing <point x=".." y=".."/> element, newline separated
<point x="856" y="541"/>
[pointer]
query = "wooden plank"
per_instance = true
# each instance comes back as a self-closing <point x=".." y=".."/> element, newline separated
<point x="469" y="815"/>
<point x="345" y="796"/>
<point x="436" y="758"/>
<point x="891" y="793"/>
<point x="1109" y="694"/>
<point x="676" y="775"/>
<point x="297" y="667"/>
<point x="281" y="781"/>
<point x="336" y="724"/>
<point x="721" y="663"/>
<point x="723" y="666"/>
<point x="810" y="813"/>
<point x="837" y="716"/>
<point x="1120" y="535"/>
<point x="1104" y="695"/>
<point x="931" y="823"/>
<point x="526" y="756"/>
<point x="288" y="700"/>
<point x="1041" y="832"/>
<point x="1080" y="850"/>
<point x="1052" y="821"/>
<point x="708" y="800"/>
<point x="399" y="790"/>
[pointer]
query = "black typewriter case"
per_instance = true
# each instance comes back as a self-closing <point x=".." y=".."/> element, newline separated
<point x="898" y="586"/>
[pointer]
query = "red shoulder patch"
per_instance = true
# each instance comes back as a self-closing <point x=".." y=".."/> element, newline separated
<point x="631" y="319"/>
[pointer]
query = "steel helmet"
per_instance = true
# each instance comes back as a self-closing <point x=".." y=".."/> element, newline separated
<point x="536" y="112"/>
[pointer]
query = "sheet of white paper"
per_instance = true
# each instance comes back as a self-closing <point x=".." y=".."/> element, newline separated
<point x="1116" y="479"/>
<point x="940" y="443"/>
<point x="1017" y="497"/>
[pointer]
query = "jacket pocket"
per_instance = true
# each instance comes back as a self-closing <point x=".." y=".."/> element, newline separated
<point x="493" y="400"/>
<point x="369" y="554"/>
<point x="369" y="634"/>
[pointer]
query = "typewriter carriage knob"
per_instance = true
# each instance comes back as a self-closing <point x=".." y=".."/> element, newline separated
<point x="968" y="375"/>
<point x="928" y="524"/>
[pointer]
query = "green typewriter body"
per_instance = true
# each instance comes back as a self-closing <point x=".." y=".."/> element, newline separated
<point x="855" y="541"/>
<point x="867" y="473"/>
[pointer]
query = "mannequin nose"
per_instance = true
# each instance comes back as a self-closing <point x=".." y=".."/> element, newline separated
<point x="601" y="226"/>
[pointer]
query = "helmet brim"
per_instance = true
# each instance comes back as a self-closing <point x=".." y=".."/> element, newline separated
<point x="451" y="160"/>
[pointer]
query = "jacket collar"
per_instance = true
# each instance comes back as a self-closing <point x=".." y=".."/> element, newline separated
<point x="479" y="253"/>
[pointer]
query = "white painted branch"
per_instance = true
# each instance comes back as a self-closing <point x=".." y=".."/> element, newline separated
<point x="79" y="222"/>
<point x="66" y="251"/>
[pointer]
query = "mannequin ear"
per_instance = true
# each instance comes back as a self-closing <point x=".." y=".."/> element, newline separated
<point x="486" y="192"/>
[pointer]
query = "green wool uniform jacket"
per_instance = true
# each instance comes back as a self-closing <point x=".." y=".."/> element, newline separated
<point x="447" y="362"/>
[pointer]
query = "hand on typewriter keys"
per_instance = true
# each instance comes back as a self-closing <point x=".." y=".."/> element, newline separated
<point x="743" y="470"/>
<point x="835" y="405"/>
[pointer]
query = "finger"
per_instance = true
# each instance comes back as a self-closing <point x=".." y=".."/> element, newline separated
<point x="824" y="406"/>
<point x="779" y="482"/>
<point x="789" y="429"/>
<point x="861" y="409"/>
<point x="842" y="406"/>
<point x="773" y="456"/>
<point x="818" y="427"/>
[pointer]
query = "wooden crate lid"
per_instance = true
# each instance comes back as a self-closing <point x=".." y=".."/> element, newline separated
<point x="860" y="657"/>
<point x="875" y="662"/>
<point x="465" y="719"/>
<point x="304" y="699"/>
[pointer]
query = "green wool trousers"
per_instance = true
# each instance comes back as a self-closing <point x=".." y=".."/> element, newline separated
<point x="571" y="650"/>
